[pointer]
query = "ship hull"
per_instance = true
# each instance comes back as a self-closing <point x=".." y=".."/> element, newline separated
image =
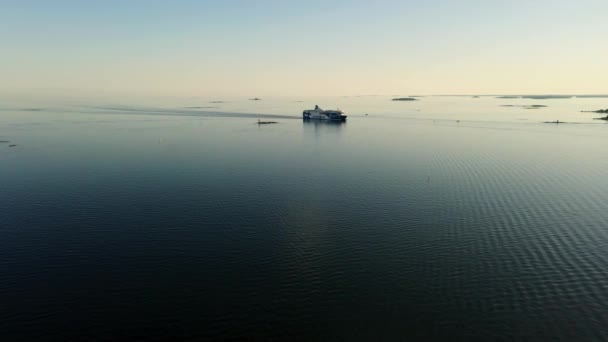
<point x="324" y="118"/>
<point x="325" y="115"/>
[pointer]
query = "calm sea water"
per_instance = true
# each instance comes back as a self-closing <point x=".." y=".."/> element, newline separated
<point x="447" y="217"/>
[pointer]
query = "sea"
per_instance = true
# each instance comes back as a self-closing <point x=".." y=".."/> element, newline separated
<point x="182" y="218"/>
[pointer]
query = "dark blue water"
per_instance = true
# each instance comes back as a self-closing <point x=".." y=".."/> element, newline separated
<point x="162" y="227"/>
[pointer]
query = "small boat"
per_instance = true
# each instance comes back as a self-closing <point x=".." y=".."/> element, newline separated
<point x="320" y="114"/>
<point x="260" y="122"/>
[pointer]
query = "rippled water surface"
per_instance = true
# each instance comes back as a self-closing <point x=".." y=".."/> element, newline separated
<point x="446" y="217"/>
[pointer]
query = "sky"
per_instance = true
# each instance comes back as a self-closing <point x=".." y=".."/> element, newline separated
<point x="305" y="48"/>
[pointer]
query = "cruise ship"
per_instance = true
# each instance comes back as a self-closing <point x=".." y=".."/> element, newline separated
<point x="320" y="114"/>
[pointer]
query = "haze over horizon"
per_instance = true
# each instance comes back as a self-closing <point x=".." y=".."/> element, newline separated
<point x="279" y="48"/>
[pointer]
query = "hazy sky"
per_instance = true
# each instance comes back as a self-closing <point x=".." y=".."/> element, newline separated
<point x="261" y="48"/>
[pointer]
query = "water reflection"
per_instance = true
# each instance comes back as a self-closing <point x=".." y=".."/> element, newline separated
<point x="320" y="127"/>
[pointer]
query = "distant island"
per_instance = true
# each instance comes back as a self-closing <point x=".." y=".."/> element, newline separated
<point x="599" y="111"/>
<point x="405" y="99"/>
<point x="535" y="97"/>
<point x="548" y="97"/>
<point x="255" y="99"/>
<point x="526" y="106"/>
